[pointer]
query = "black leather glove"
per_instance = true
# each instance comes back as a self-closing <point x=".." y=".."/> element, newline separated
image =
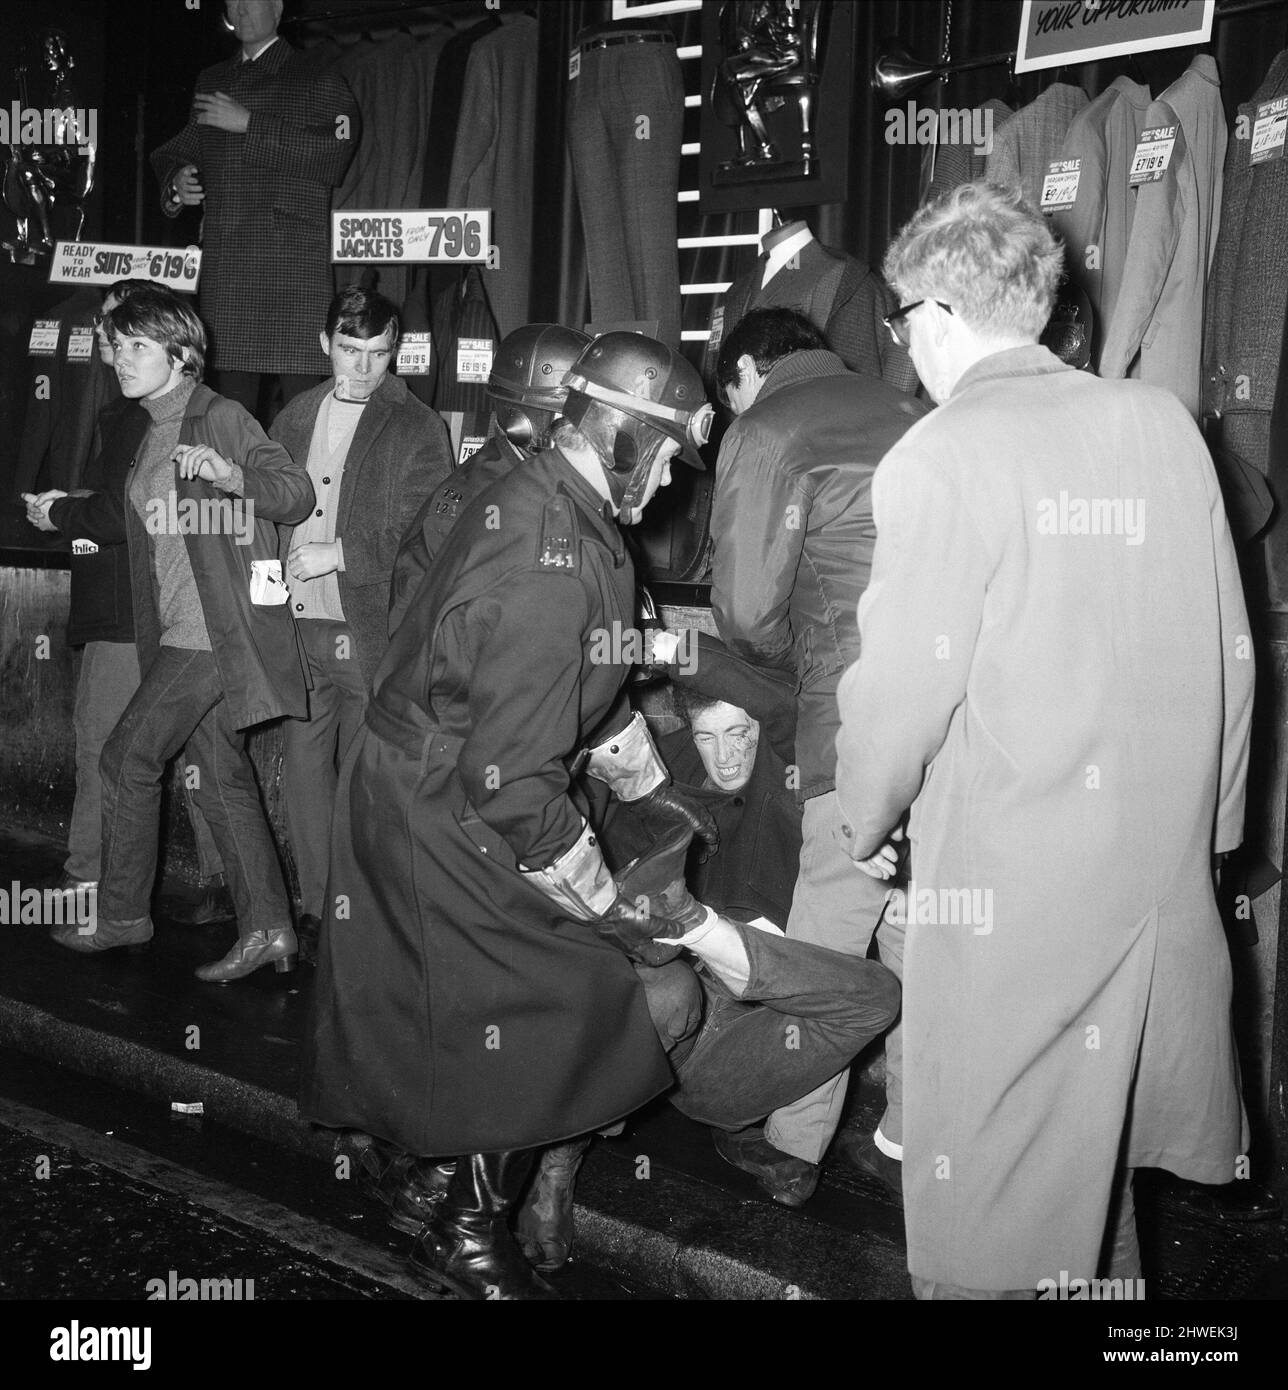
<point x="665" y="809"/>
<point x="630" y="926"/>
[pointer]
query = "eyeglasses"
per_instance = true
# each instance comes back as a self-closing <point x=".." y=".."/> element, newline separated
<point x="899" y="329"/>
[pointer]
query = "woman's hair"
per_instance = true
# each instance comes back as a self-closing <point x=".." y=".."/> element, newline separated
<point x="984" y="250"/>
<point x="152" y="311"/>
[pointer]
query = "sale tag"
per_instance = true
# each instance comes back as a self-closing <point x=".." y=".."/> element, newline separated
<point x="1153" y="155"/>
<point x="44" y="338"/>
<point x="574" y="64"/>
<point x="473" y="360"/>
<point x="104" y="263"/>
<point x="470" y="446"/>
<point x="1269" y="130"/>
<point x="80" y="345"/>
<point x="414" y="352"/>
<point x="422" y="235"/>
<point x="1060" y="186"/>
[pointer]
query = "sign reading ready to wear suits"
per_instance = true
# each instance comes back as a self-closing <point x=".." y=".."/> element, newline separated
<point x="1054" y="33"/>
<point x="453" y="235"/>
<point x="104" y="263"/>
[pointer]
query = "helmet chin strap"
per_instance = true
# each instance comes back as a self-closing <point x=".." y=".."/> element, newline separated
<point x="633" y="497"/>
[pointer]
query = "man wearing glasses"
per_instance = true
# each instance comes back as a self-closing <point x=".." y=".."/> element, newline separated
<point x="793" y="532"/>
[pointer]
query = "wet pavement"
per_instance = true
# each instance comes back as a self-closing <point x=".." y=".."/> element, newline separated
<point x="106" y="1195"/>
<point x="659" y="1213"/>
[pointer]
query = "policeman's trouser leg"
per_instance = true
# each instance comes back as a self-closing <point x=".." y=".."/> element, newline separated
<point x="466" y="1245"/>
<point x="837" y="906"/>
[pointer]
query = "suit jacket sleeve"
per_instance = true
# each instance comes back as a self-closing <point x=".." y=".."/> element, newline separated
<point x="1238" y="678"/>
<point x="319" y="150"/>
<point x="919" y="620"/>
<point x="168" y="159"/>
<point x="1155" y="236"/>
<point x="758" y="523"/>
<point x="525" y="705"/>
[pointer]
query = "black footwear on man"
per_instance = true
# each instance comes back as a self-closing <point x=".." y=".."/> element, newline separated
<point x="307" y="930"/>
<point x="214" y="904"/>
<point x="859" y="1153"/>
<point x="466" y="1245"/>
<point x="784" y="1177"/>
<point x="1241" y="1200"/>
<point x="409" y="1187"/>
<point x="543" y="1226"/>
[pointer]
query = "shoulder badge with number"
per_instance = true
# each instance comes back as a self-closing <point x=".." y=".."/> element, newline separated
<point x="560" y="545"/>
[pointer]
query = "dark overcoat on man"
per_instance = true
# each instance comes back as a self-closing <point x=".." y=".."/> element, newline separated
<point x="266" y="276"/>
<point x="458" y="1010"/>
<point x="424" y="538"/>
<point x="399" y="455"/>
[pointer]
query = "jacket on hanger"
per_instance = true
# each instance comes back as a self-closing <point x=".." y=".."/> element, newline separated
<point x="1156" y="332"/>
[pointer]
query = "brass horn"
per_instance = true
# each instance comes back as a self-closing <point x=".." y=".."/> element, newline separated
<point x="897" y="73"/>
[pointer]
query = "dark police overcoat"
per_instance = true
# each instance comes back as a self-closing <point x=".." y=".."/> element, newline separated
<point x="457" y="1009"/>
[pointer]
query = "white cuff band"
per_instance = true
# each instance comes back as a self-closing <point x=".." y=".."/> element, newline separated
<point x="629" y="763"/>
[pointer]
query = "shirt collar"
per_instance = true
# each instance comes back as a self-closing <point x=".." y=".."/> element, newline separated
<point x="1030" y="360"/>
<point x="262" y="51"/>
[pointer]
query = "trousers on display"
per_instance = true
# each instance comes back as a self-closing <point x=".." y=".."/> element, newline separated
<point x="625" y="126"/>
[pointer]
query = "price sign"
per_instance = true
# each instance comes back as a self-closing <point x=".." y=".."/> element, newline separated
<point x="1153" y="155"/>
<point x="1269" y="130"/>
<point x="1060" y="185"/>
<point x="470" y="446"/>
<point x="104" y="263"/>
<point x="414" y="353"/>
<point x="423" y="235"/>
<point x="44" y="338"/>
<point x="80" y="344"/>
<point x="473" y="360"/>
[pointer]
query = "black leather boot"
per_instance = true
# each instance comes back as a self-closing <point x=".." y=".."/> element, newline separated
<point x="466" y="1246"/>
<point x="544" y="1227"/>
<point x="408" y="1186"/>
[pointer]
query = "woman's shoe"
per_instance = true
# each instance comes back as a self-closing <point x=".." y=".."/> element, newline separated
<point x="278" y="947"/>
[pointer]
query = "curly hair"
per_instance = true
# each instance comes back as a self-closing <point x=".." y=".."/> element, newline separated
<point x="985" y="251"/>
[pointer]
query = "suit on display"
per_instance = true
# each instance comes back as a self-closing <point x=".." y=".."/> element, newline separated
<point x="1097" y="229"/>
<point x="839" y="295"/>
<point x="1025" y="145"/>
<point x="1156" y="333"/>
<point x="266" y="238"/>
<point x="625" y="124"/>
<point x="492" y="166"/>
<point x="1247" y="300"/>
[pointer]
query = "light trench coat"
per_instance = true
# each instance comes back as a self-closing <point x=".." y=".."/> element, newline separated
<point x="1057" y="675"/>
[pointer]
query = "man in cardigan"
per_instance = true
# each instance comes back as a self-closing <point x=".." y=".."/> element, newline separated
<point x="374" y="454"/>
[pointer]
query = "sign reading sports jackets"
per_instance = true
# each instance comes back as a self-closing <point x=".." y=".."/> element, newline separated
<point x="452" y="235"/>
<point x="104" y="263"/>
<point x="1056" y="32"/>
